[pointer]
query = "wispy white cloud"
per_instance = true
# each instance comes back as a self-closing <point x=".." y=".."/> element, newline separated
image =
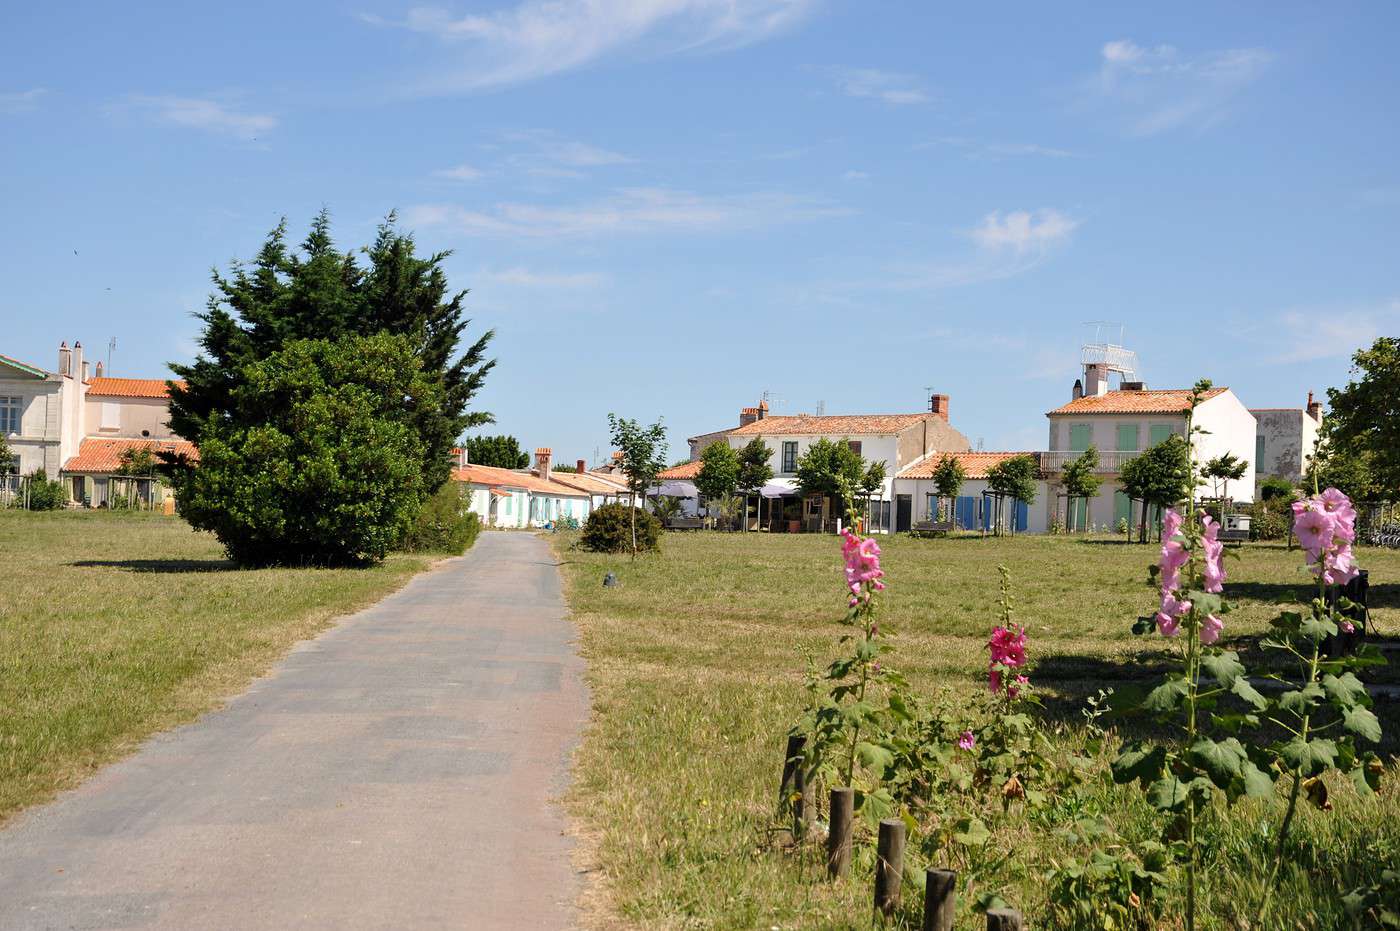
<point x="978" y="149"/>
<point x="538" y="38"/>
<point x="203" y="114"/>
<point x="886" y="86"/>
<point x="627" y="211"/>
<point x="460" y="173"/>
<point x="522" y="277"/>
<point x="1022" y="231"/>
<point x="21" y="101"/>
<point x="1335" y="332"/>
<point x="1158" y="89"/>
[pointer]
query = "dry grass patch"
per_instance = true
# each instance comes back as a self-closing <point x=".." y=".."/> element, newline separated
<point x="115" y="626"/>
<point x="696" y="662"/>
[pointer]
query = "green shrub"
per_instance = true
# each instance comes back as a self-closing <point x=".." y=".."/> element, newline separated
<point x="316" y="461"/>
<point x="1270" y="520"/>
<point x="609" y="530"/>
<point x="45" y="494"/>
<point x="443" y="525"/>
<point x="1275" y="487"/>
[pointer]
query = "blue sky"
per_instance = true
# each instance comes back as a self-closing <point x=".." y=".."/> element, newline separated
<point x="668" y="207"/>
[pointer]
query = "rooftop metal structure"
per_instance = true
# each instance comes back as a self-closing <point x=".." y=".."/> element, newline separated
<point x="1113" y="355"/>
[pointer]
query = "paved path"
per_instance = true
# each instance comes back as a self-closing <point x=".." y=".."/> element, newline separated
<point x="395" y="772"/>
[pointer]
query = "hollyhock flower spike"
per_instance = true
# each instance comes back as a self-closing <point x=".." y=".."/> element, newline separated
<point x="1008" y="648"/>
<point x="1172" y="611"/>
<point x="1211" y="626"/>
<point x="1326" y="528"/>
<point x="1214" y="572"/>
<point x="1315" y="530"/>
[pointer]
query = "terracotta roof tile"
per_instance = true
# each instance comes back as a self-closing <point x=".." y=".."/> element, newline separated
<point x="1169" y="401"/>
<point x="683" y="472"/>
<point x="129" y="387"/>
<point x="975" y="465"/>
<point x="589" y="482"/>
<point x="835" y="425"/>
<point x="105" y="455"/>
<point x="493" y="477"/>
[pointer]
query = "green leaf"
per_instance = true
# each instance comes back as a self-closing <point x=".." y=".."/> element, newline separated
<point x="1167" y="793"/>
<point x="1166" y="697"/>
<point x="874" y="756"/>
<point x="971" y="832"/>
<point x="1223" y="667"/>
<point x="1362" y="722"/>
<point x="1221" y="760"/>
<point x="1367" y="774"/>
<point x="1249" y="693"/>
<point x="1301" y="701"/>
<point x="1258" y="783"/>
<point x="1141" y="764"/>
<point x="1345" y="690"/>
<point x="1309" y="756"/>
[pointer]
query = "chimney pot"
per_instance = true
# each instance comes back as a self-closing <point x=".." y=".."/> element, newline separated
<point x="543" y="455"/>
<point x="65" y="359"/>
<point x="1314" y="408"/>
<point x="748" y="415"/>
<point x="581" y="466"/>
<point x="99" y="368"/>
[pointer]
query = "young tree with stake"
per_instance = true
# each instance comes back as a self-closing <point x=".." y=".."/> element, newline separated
<point x="641" y="459"/>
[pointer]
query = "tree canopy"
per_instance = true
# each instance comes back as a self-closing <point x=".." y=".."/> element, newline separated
<point x="316" y="292"/>
<point x="315" y="459"/>
<point x="1224" y="469"/>
<point x="641" y="449"/>
<point x="1160" y="476"/>
<point x="719" y="471"/>
<point x="831" y="468"/>
<point x="1014" y="478"/>
<point x="949" y="475"/>
<point x="502" y="452"/>
<point x="7" y="458"/>
<point x="1363" y="423"/>
<point x="1078" y="477"/>
<point x="754" y="468"/>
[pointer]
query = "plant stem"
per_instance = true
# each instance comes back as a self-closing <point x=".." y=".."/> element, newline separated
<point x="860" y="697"/>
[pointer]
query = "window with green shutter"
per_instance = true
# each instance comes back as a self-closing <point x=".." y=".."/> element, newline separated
<point x="1128" y="437"/>
<point x="1158" y="432"/>
<point x="1080" y="437"/>
<point x="1122" y="509"/>
<point x="1259" y="453"/>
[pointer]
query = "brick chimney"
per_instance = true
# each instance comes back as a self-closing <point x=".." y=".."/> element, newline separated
<point x="762" y="409"/>
<point x="65" y="359"/>
<point x="581" y="466"/>
<point x="748" y="415"/>
<point x="938" y="406"/>
<point x="1314" y="408"/>
<point x="543" y="455"/>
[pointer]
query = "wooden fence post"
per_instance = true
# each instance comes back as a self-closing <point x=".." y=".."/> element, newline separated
<point x="940" y="899"/>
<point x="1003" y="919"/>
<point x="889" y="868"/>
<point x="838" y="842"/>
<point x="793" y="790"/>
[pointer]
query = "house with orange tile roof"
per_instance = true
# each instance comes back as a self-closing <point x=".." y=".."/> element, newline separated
<point x="897" y="440"/>
<point x="1122" y="422"/>
<point x="75" y="424"/>
<point x="975" y="506"/>
<point x="535" y="497"/>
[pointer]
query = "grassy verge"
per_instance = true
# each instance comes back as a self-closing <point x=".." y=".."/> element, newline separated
<point x="115" y="626"/>
<point x="696" y="663"/>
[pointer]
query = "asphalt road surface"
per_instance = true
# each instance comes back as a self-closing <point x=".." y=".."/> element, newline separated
<point x="399" y="771"/>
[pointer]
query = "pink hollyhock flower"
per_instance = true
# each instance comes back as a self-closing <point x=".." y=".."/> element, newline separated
<point x="862" y="558"/>
<point x="1211" y="626"/>
<point x="1214" y="572"/>
<point x="967" y="740"/>
<point x="1347" y="626"/>
<point x="1008" y="649"/>
<point x="1172" y="611"/>
<point x="1315" y="530"/>
<point x="1171" y="524"/>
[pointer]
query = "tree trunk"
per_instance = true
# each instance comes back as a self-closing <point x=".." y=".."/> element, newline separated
<point x="633" y="515"/>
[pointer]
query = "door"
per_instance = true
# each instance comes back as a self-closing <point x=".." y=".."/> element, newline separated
<point x="903" y="513"/>
<point x="966" y="512"/>
<point x="1122" y="510"/>
<point x="1023" y="516"/>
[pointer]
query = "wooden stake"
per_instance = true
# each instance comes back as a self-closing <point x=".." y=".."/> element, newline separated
<point x="838" y="842"/>
<point x="1004" y="919"/>
<point x="940" y="899"/>
<point x="792" y="793"/>
<point x="889" y="868"/>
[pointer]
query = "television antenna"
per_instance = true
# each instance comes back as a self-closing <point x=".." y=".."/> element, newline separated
<point x="1106" y="352"/>
<point x="821" y="408"/>
<point x="111" y="346"/>
<point x="772" y="400"/>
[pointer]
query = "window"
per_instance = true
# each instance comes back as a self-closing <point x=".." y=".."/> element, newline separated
<point x="111" y="415"/>
<point x="1080" y="437"/>
<point x="790" y="456"/>
<point x="1158" y="433"/>
<point x="1128" y="437"/>
<point x="931" y="506"/>
<point x="854" y="445"/>
<point x="1259" y="452"/>
<point x="10" y="411"/>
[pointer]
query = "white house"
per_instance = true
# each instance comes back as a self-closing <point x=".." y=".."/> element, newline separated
<point x="76" y="426"/>
<point x="535" y="497"/>
<point x="1286" y="439"/>
<point x="974" y="508"/>
<point x="896" y="440"/>
<point x="1121" y="423"/>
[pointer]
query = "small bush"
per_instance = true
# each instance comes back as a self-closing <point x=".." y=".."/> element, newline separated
<point x="444" y="525"/>
<point x="609" y="530"/>
<point x="1275" y="487"/>
<point x="45" y="494"/>
<point x="1270" y="520"/>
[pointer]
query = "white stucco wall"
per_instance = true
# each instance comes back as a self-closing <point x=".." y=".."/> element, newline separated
<point x="1229" y="428"/>
<point x="1289" y="438"/>
<point x="880" y="448"/>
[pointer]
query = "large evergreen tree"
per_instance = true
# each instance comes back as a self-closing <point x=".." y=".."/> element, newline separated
<point x="316" y="292"/>
<point x="503" y="452"/>
<point x="1362" y="432"/>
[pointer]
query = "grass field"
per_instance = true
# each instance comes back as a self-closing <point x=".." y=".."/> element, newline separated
<point x="696" y="662"/>
<point x="114" y="626"/>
